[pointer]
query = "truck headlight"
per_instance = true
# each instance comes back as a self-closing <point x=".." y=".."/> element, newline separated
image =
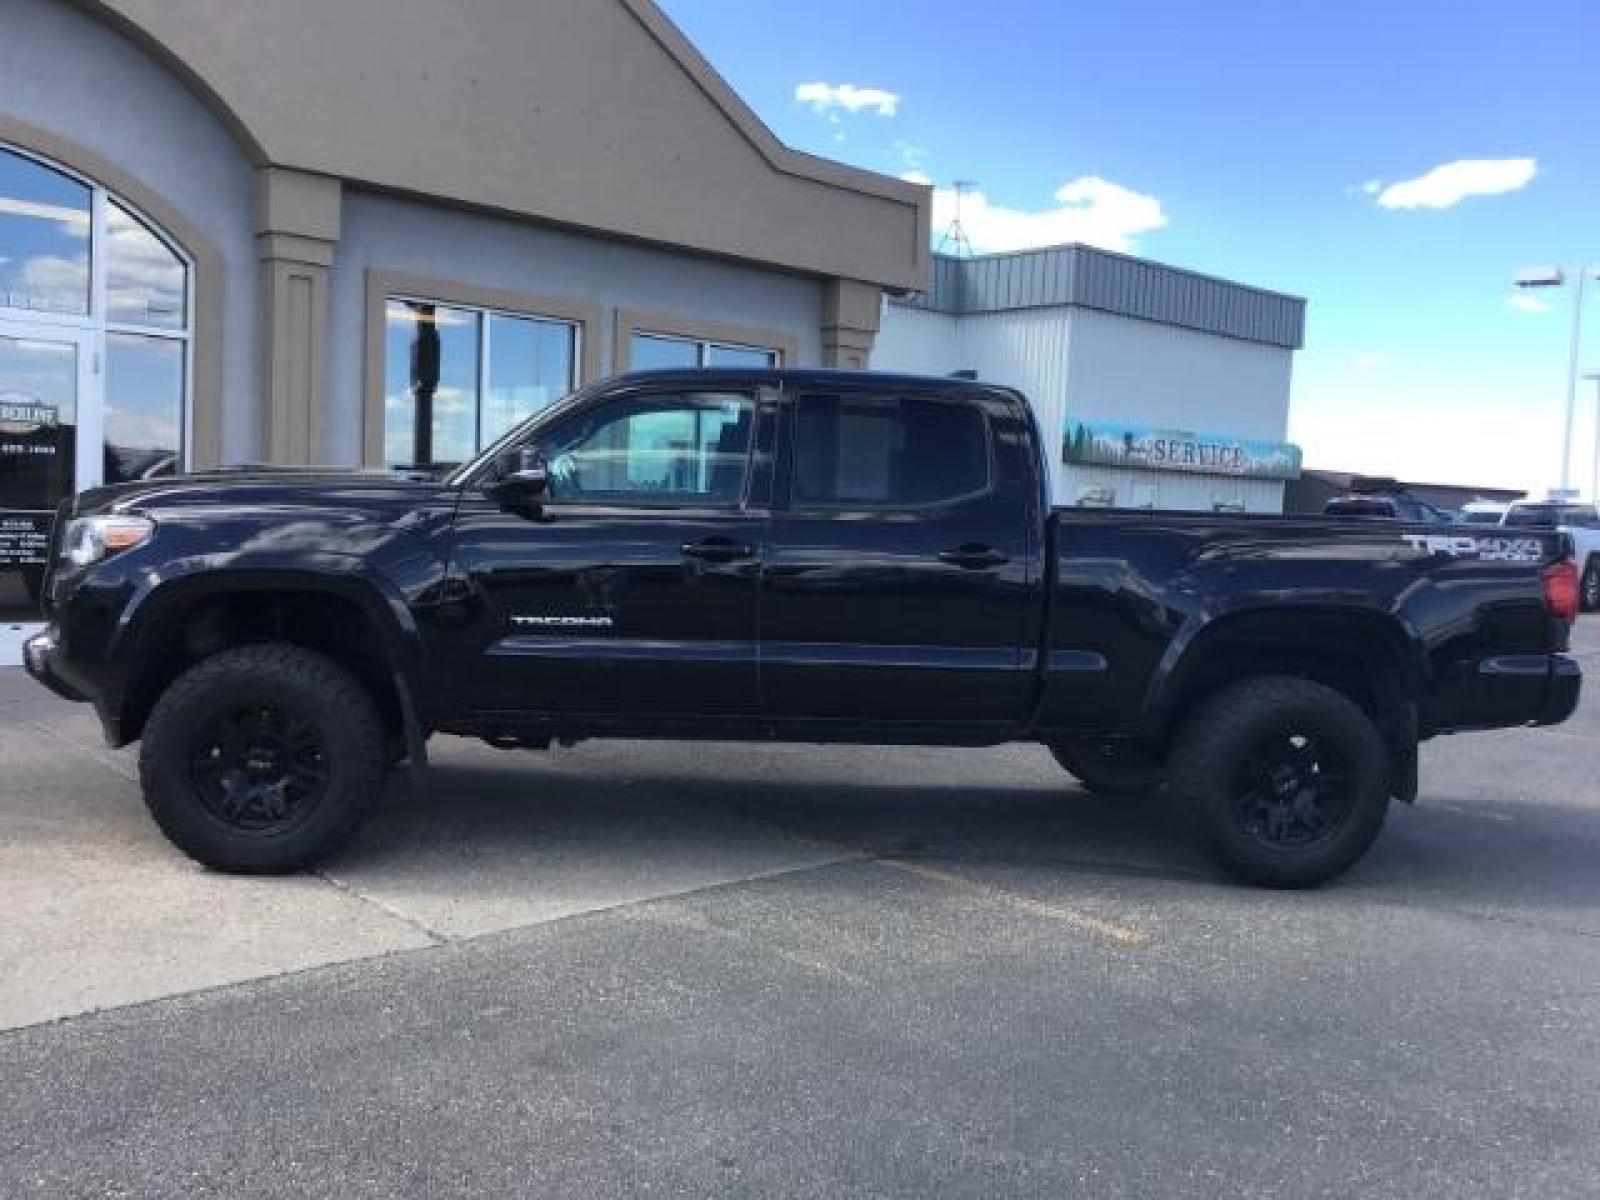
<point x="90" y="539"/>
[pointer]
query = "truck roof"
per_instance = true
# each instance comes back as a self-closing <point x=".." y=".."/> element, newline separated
<point x="804" y="377"/>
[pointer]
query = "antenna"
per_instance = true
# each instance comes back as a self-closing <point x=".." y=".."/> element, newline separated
<point x="955" y="236"/>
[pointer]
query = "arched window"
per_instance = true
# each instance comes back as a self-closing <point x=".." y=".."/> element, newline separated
<point x="79" y="259"/>
<point x="96" y="314"/>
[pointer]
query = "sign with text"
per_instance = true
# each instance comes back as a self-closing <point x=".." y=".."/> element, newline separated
<point x="1124" y="444"/>
<point x="24" y="538"/>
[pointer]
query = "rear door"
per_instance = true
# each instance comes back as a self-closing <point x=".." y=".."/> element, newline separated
<point x="902" y="575"/>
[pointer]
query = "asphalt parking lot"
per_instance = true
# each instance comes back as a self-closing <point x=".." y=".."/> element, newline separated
<point x="633" y="969"/>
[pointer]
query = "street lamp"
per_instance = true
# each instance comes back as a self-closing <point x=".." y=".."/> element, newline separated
<point x="1594" y="471"/>
<point x="1540" y="277"/>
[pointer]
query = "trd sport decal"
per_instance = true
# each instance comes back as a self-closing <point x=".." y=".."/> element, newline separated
<point x="1489" y="549"/>
<point x="562" y="622"/>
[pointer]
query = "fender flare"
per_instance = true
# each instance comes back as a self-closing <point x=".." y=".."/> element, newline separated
<point x="349" y="579"/>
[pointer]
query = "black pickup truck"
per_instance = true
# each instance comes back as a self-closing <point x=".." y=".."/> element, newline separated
<point x="797" y="555"/>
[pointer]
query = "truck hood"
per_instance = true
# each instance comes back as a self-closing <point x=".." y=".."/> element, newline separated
<point x="267" y="487"/>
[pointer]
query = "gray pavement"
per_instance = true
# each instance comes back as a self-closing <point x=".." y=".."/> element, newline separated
<point x="732" y="970"/>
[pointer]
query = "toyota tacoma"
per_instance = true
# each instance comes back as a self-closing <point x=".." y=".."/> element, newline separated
<point x="804" y="556"/>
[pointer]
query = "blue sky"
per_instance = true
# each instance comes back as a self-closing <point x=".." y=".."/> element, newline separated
<point x="1235" y="137"/>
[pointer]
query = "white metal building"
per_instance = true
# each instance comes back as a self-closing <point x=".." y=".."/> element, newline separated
<point x="1155" y="387"/>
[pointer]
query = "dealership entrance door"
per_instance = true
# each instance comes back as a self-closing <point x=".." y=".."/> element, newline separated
<point x="96" y="309"/>
<point x="48" y="450"/>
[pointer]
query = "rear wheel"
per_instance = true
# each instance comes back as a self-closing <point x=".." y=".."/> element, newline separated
<point x="1108" y="766"/>
<point x="262" y="759"/>
<point x="1589" y="587"/>
<point x="1289" y="778"/>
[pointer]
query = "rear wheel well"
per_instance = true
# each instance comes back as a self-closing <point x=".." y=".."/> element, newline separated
<point x="1359" y="657"/>
<point x="334" y="626"/>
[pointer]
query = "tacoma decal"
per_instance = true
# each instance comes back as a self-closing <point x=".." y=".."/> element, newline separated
<point x="562" y="622"/>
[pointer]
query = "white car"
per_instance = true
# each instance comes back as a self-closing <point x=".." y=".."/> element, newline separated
<point x="1579" y="521"/>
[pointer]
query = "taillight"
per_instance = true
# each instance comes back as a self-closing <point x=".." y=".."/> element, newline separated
<point x="1561" y="590"/>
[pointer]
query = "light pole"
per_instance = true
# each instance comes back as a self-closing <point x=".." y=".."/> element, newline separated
<point x="1539" y="277"/>
<point x="1594" y="471"/>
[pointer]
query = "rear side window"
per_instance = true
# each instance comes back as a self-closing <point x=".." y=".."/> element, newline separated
<point x="889" y="451"/>
<point x="1360" y="508"/>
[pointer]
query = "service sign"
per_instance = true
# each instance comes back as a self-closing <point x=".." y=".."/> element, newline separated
<point x="1122" y="444"/>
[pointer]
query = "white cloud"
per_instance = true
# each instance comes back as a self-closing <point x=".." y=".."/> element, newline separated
<point x="1372" y="187"/>
<point x="1088" y="209"/>
<point x="827" y="99"/>
<point x="1450" y="183"/>
<point x="1527" y="302"/>
<point x="921" y="177"/>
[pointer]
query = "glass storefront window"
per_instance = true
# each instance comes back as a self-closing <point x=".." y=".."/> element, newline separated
<point x="146" y="282"/>
<point x="660" y="351"/>
<point x="45" y="221"/>
<point x="144" y="407"/>
<point x="652" y="353"/>
<point x="456" y="378"/>
<point x="38" y="418"/>
<point x="530" y="365"/>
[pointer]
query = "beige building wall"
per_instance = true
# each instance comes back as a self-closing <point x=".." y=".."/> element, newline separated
<point x="616" y="170"/>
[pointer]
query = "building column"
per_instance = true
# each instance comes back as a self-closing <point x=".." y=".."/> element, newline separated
<point x="297" y="232"/>
<point x="850" y="314"/>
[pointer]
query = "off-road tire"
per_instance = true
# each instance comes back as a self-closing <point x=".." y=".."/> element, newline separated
<point x="1220" y="742"/>
<point x="318" y="692"/>
<point x="1113" y="775"/>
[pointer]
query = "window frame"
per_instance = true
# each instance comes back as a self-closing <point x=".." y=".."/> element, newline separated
<point x="384" y="286"/>
<point x="636" y="399"/>
<point x="790" y="465"/>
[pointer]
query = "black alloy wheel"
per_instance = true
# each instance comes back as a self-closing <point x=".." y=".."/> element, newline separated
<point x="259" y="769"/>
<point x="1292" y="790"/>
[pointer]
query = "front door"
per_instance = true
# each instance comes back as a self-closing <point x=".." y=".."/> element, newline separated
<point x="632" y="590"/>
<point x="48" y="451"/>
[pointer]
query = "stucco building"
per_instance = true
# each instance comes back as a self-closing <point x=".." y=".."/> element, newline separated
<point x="1155" y="387"/>
<point x="379" y="232"/>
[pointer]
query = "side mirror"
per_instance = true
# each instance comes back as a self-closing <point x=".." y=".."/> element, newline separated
<point x="523" y="479"/>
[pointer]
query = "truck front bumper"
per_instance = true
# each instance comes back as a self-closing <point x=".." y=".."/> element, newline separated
<point x="41" y="655"/>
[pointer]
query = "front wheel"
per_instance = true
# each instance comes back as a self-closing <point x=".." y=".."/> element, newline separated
<point x="262" y="759"/>
<point x="1289" y="778"/>
<point x="1109" y="767"/>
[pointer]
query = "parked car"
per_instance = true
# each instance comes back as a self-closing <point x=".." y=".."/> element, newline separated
<point x="795" y="555"/>
<point x="1380" y="497"/>
<point x="1581" y="523"/>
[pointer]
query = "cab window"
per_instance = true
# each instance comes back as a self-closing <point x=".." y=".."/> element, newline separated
<point x="675" y="449"/>
<point x="888" y="451"/>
